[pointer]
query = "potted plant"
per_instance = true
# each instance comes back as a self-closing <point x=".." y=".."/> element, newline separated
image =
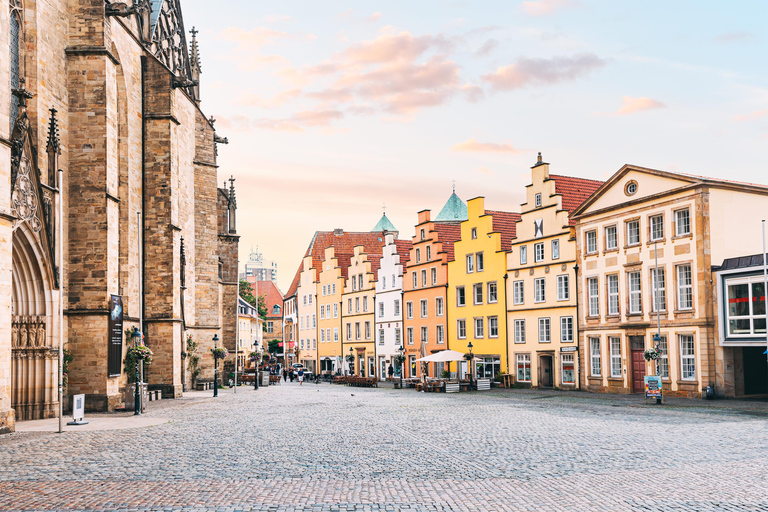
<point x="399" y="359"/>
<point x="652" y="354"/>
<point x="445" y="374"/>
<point x="350" y="358"/>
<point x="219" y="352"/>
<point x="467" y="356"/>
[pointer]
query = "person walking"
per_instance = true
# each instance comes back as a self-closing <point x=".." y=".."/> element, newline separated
<point x="285" y="375"/>
<point x="301" y="376"/>
<point x="390" y="372"/>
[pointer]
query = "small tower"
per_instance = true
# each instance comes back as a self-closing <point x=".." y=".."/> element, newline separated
<point x="454" y="210"/>
<point x="232" y="206"/>
<point x="384" y="223"/>
<point x="194" y="64"/>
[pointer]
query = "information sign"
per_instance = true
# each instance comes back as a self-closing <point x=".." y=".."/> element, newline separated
<point x="652" y="386"/>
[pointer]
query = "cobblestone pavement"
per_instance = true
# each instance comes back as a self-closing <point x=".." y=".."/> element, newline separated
<point x="318" y="448"/>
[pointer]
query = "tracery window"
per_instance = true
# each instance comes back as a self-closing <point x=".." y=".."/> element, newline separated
<point x="16" y="15"/>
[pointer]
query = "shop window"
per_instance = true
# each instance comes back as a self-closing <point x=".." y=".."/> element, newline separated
<point x="523" y="368"/>
<point x="568" y="369"/>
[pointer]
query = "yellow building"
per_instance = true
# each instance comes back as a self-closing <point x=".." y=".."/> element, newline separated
<point x="476" y="291"/>
<point x="331" y="286"/>
<point x="358" y="308"/>
<point x="304" y="347"/>
<point x="541" y="287"/>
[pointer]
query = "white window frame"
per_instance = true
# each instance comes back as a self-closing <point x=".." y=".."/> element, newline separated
<point x="563" y="287"/>
<point x="566" y="329"/>
<point x="519" y="331"/>
<point x="381" y="336"/>
<point x="479" y="262"/>
<point x="635" y="285"/>
<point x="397" y="307"/>
<point x="424" y="334"/>
<point x="537" y="200"/>
<point x="461" y="296"/>
<point x="595" y="366"/>
<point x="423" y="308"/>
<point x="470" y="258"/>
<point x="545" y="330"/>
<point x="461" y="328"/>
<point x="433" y="272"/>
<point x="613" y="294"/>
<point x="335" y="310"/>
<point x="538" y="252"/>
<point x="656" y="225"/>
<point x="555" y="249"/>
<point x="687" y="344"/>
<point x="424" y="278"/>
<point x="591" y="241"/>
<point x="664" y="360"/>
<point x="418" y="255"/>
<point x="593" y="296"/>
<point x="568" y="359"/>
<point x="611" y="238"/>
<point x="439" y="334"/>
<point x="632" y="228"/>
<point x="409" y="335"/>
<point x="686" y="225"/>
<point x="477" y="298"/>
<point x="409" y="310"/>
<point x="415" y="280"/>
<point x="479" y="327"/>
<point x="539" y="290"/>
<point x="523" y="254"/>
<point x="684" y="286"/>
<point x="523" y="362"/>
<point x="750" y="317"/>
<point x="614" y="344"/>
<point x="493" y="292"/>
<point x="659" y="289"/>
<point x="439" y="309"/>
<point x="493" y="327"/>
<point x="381" y="309"/>
<point x="518" y="292"/>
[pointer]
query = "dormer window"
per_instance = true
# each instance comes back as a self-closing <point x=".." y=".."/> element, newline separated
<point x="537" y="200"/>
<point x="422" y="234"/>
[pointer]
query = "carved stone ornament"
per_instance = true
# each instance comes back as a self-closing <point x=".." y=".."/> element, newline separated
<point x="169" y="43"/>
<point x="25" y="201"/>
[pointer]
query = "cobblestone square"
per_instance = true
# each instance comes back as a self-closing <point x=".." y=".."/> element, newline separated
<point x="335" y="448"/>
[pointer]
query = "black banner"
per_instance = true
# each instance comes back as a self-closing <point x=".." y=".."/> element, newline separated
<point x="115" y="335"/>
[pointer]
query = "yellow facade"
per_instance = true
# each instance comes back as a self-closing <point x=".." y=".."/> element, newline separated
<point x="541" y="288"/>
<point x="358" y="321"/>
<point x="330" y="287"/>
<point x="300" y="350"/>
<point x="476" y="292"/>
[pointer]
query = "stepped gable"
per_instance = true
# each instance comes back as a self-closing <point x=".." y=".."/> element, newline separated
<point x="404" y="250"/>
<point x="272" y="296"/>
<point x="375" y="260"/>
<point x="344" y="244"/>
<point x="574" y="191"/>
<point x="505" y="223"/>
<point x="448" y="233"/>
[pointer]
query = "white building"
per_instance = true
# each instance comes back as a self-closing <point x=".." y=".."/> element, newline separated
<point x="259" y="269"/>
<point x="250" y="332"/>
<point x="389" y="303"/>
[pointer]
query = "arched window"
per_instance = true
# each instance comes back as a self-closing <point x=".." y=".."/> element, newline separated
<point x="16" y="15"/>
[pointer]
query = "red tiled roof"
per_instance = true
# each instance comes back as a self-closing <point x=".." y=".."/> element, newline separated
<point x="448" y="233"/>
<point x="344" y="247"/>
<point x="574" y="191"/>
<point x="375" y="260"/>
<point x="404" y="250"/>
<point x="505" y="223"/>
<point x="272" y="296"/>
<point x="295" y="283"/>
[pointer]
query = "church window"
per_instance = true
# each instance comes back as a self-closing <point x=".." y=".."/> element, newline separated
<point x="16" y="11"/>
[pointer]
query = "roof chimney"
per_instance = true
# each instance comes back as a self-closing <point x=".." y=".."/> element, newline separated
<point x="338" y="232"/>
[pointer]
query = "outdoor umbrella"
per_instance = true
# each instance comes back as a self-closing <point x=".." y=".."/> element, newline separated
<point x="443" y="356"/>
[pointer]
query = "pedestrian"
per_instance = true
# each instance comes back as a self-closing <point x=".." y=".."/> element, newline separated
<point x="285" y="375"/>
<point x="301" y="376"/>
<point x="390" y="372"/>
<point x="290" y="374"/>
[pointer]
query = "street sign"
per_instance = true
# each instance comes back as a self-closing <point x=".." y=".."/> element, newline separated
<point x="78" y="410"/>
<point x="652" y="387"/>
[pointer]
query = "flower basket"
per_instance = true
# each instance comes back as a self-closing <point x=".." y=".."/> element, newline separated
<point x="219" y="352"/>
<point x="467" y="356"/>
<point x="141" y="352"/>
<point x="652" y="354"/>
<point x="399" y="359"/>
<point x="254" y="357"/>
<point x="350" y="358"/>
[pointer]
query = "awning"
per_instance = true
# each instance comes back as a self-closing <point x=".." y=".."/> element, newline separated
<point x="443" y="356"/>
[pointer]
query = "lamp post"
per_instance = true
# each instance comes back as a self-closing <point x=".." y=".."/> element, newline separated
<point x="136" y="335"/>
<point x="401" y="349"/>
<point x="469" y="346"/>
<point x="215" y="367"/>
<point x="256" y="367"/>
<point x="657" y="336"/>
<point x="351" y="362"/>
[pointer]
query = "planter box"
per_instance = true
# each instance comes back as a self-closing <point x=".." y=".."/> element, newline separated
<point x="130" y="394"/>
<point x="483" y="384"/>
<point x="451" y="387"/>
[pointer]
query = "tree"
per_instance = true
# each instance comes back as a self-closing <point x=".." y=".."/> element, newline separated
<point x="246" y="292"/>
<point x="262" y="307"/>
<point x="273" y="347"/>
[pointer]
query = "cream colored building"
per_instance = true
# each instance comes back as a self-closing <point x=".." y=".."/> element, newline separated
<point x="541" y="282"/>
<point x="691" y="224"/>
<point x="250" y="333"/>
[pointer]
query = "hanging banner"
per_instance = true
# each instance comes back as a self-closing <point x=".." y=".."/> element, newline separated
<point x="115" y="335"/>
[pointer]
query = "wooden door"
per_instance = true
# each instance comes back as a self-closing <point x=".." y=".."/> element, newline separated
<point x="638" y="371"/>
<point x="545" y="369"/>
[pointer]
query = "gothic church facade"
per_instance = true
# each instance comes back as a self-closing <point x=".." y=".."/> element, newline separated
<point x="108" y="93"/>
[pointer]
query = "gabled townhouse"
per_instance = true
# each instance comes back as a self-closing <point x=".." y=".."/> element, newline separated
<point x="306" y="297"/>
<point x="250" y="333"/>
<point x="331" y="285"/>
<point x="358" y="306"/>
<point x="661" y="255"/>
<point x="389" y="304"/>
<point x="541" y="283"/>
<point x="425" y="281"/>
<point x="290" y="312"/>
<point x="476" y="298"/>
<point x="273" y="299"/>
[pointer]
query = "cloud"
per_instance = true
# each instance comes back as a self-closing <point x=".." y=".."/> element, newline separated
<point x="543" y="71"/>
<point x="389" y="48"/>
<point x="332" y="95"/>
<point x="373" y="17"/>
<point x="734" y="37"/>
<point x="300" y="120"/>
<point x="483" y="170"/>
<point x="474" y="146"/>
<point x="545" y="7"/>
<point x="272" y="18"/>
<point x="630" y="105"/>
<point x="254" y="100"/>
<point x="472" y="93"/>
<point x="488" y="47"/>
<point x="255" y="38"/>
<point x="752" y="115"/>
<point x="361" y="110"/>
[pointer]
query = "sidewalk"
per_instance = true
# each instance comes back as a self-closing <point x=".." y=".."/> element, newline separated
<point x="96" y="421"/>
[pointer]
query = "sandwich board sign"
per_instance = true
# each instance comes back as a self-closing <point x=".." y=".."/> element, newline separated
<point x="652" y="387"/>
<point x="78" y="410"/>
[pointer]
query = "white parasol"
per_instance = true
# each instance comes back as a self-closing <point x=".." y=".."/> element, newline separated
<point x="443" y="356"/>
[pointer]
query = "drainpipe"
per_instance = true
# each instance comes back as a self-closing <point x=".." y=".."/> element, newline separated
<point x="506" y="322"/>
<point x="576" y="328"/>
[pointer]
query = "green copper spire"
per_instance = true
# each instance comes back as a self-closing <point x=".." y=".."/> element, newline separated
<point x="384" y="224"/>
<point x="454" y="210"/>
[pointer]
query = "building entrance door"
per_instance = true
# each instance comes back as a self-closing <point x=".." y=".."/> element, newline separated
<point x="637" y="344"/>
<point x="545" y="372"/>
<point x="755" y="375"/>
<point x="382" y="368"/>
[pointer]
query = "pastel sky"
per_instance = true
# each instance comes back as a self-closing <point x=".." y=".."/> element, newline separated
<point x="334" y="108"/>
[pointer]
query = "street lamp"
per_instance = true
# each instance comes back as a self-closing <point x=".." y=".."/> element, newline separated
<point x="656" y="345"/>
<point x="469" y="346"/>
<point x="215" y="366"/>
<point x="136" y="335"/>
<point x="401" y="349"/>
<point x="256" y="367"/>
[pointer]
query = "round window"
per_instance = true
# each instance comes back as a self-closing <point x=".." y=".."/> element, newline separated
<point x="630" y="188"/>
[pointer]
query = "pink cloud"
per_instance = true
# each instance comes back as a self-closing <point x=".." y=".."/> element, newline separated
<point x="630" y="105"/>
<point x="272" y="18"/>
<point x="374" y="17"/>
<point x="752" y="115"/>
<point x="300" y="120"/>
<point x="487" y="48"/>
<point x="390" y="47"/>
<point x="543" y="71"/>
<point x="332" y="95"/>
<point x="361" y="110"/>
<point x="544" y="7"/>
<point x="472" y="93"/>
<point x="474" y="146"/>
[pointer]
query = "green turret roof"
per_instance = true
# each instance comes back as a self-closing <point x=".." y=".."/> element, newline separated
<point x="385" y="225"/>
<point x="454" y="210"/>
